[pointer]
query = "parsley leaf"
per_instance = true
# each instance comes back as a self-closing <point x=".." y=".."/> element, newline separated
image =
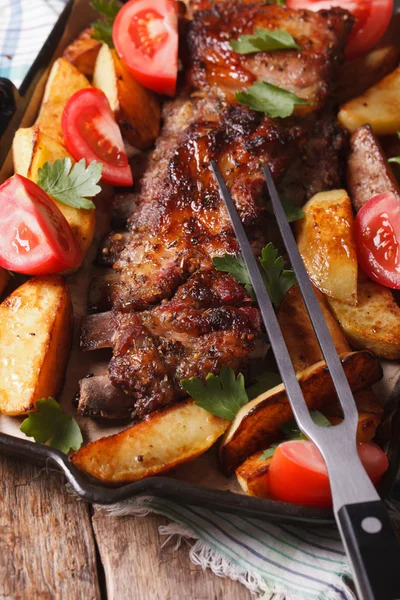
<point x="277" y="280"/>
<point x="264" y="40"/>
<point x="222" y="395"/>
<point x="395" y="159"/>
<point x="102" y="29"/>
<point x="292" y="432"/>
<point x="265" y="381"/>
<point x="269" y="452"/>
<point x="292" y="212"/>
<point x="270" y="99"/>
<point x="51" y="424"/>
<point x="71" y="185"/>
<point x="234" y="265"/>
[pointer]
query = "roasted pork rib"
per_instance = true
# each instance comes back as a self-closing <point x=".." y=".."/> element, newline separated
<point x="172" y="316"/>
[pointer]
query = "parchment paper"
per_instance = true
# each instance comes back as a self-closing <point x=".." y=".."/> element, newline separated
<point x="204" y="470"/>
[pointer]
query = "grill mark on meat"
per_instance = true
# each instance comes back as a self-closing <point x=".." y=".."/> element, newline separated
<point x="173" y="316"/>
<point x="214" y="67"/>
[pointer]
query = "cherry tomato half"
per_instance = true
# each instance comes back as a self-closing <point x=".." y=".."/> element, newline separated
<point x="35" y="238"/>
<point x="372" y="20"/>
<point x="91" y="132"/>
<point x="298" y="474"/>
<point x="145" y="35"/>
<point x="377" y="235"/>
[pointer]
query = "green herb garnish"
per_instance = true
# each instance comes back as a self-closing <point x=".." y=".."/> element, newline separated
<point x="292" y="212"/>
<point x="277" y="279"/>
<point x="264" y="40"/>
<point x="234" y="265"/>
<point x="270" y="99"/>
<point x="71" y="185"/>
<point x="51" y="424"/>
<point x="222" y="395"/>
<point x="102" y="29"/>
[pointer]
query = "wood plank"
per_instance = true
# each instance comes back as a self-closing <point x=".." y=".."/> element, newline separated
<point x="137" y="567"/>
<point x="47" y="547"/>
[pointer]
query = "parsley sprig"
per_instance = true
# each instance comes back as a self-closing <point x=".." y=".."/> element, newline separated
<point x="222" y="395"/>
<point x="264" y="40"/>
<point x="291" y="431"/>
<point x="102" y="28"/>
<point x="71" y="185"/>
<point x="277" y="279"/>
<point x="270" y="99"/>
<point x="51" y="424"/>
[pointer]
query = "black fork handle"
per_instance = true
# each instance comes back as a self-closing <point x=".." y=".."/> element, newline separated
<point x="373" y="548"/>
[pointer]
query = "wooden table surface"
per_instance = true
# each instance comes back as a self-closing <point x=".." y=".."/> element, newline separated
<point x="55" y="546"/>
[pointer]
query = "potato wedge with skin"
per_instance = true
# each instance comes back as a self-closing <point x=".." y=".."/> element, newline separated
<point x="299" y="333"/>
<point x="368" y="170"/>
<point x="63" y="82"/>
<point x="163" y="440"/>
<point x="136" y="109"/>
<point x="31" y="149"/>
<point x="374" y="324"/>
<point x="35" y="341"/>
<point x="326" y="242"/>
<point x="83" y="52"/>
<point x="379" y="106"/>
<point x="252" y="475"/>
<point x="372" y="66"/>
<point x="257" y="424"/>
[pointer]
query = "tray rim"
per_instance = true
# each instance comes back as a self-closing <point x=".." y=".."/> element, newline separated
<point x="94" y="491"/>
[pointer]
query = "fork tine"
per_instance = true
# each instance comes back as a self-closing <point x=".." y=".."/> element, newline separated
<point x="276" y="339"/>
<point x="325" y="341"/>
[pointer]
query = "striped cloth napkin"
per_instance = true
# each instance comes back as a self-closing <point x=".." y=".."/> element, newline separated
<point x="270" y="560"/>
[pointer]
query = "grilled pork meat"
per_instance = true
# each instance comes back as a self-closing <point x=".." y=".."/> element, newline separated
<point x="368" y="171"/>
<point x="214" y="67"/>
<point x="173" y="316"/>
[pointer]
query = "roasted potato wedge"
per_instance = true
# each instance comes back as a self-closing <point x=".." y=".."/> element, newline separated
<point x="299" y="333"/>
<point x="326" y="242"/>
<point x="4" y="279"/>
<point x="372" y="66"/>
<point x="258" y="423"/>
<point x="136" y="109"/>
<point x="83" y="52"/>
<point x="252" y="475"/>
<point x="35" y="341"/>
<point x="374" y="324"/>
<point x="63" y="82"/>
<point x="379" y="106"/>
<point x="155" y="445"/>
<point x="31" y="149"/>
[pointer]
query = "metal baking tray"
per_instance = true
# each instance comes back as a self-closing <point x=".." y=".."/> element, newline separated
<point x="13" y="105"/>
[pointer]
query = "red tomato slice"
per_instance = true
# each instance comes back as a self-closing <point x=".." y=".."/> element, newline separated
<point x="377" y="234"/>
<point x="145" y="35"/>
<point x="298" y="474"/>
<point x="372" y="20"/>
<point x="35" y="238"/>
<point x="91" y="132"/>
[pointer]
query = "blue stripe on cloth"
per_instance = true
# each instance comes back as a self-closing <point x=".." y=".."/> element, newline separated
<point x="24" y="27"/>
